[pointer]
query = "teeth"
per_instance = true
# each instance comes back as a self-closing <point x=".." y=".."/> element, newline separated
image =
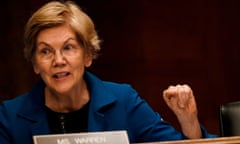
<point x="59" y="75"/>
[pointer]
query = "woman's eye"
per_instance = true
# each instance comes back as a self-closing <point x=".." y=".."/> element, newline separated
<point x="45" y="51"/>
<point x="68" y="47"/>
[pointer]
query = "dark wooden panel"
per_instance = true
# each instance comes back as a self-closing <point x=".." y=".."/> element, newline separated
<point x="148" y="43"/>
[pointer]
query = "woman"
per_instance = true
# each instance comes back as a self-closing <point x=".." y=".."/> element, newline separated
<point x="61" y="42"/>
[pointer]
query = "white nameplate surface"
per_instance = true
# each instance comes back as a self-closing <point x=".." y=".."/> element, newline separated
<point x="108" y="137"/>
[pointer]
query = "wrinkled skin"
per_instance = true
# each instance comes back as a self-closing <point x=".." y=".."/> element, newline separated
<point x="181" y="101"/>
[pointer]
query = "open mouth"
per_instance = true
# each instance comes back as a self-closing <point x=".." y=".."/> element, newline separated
<point x="61" y="75"/>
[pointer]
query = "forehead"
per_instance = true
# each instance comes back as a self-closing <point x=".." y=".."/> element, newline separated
<point x="55" y="34"/>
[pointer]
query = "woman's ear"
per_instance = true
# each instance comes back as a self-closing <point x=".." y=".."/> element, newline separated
<point x="36" y="69"/>
<point x="88" y="60"/>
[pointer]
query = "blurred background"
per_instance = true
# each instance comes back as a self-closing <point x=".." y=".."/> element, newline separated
<point x="149" y="44"/>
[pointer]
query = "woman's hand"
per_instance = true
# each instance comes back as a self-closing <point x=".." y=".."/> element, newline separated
<point x="181" y="101"/>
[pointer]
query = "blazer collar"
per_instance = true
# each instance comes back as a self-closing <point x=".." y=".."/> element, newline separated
<point x="33" y="109"/>
<point x="101" y="96"/>
<point x="33" y="105"/>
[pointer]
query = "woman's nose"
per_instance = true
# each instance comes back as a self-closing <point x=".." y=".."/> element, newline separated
<point x="59" y="58"/>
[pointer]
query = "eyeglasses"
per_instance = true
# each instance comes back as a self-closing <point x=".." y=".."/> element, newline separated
<point x="48" y="53"/>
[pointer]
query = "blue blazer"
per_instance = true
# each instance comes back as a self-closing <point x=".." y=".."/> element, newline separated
<point x="112" y="107"/>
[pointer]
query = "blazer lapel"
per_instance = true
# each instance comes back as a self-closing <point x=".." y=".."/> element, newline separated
<point x="33" y="110"/>
<point x="100" y="101"/>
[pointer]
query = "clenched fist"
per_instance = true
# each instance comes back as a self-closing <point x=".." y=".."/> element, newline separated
<point x="181" y="101"/>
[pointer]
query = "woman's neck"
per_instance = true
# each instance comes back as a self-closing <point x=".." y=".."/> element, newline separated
<point x="71" y="101"/>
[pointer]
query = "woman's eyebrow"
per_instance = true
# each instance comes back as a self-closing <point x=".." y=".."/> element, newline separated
<point x="69" y="39"/>
<point x="43" y="43"/>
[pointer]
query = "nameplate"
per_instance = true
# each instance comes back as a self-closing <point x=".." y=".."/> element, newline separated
<point x="108" y="137"/>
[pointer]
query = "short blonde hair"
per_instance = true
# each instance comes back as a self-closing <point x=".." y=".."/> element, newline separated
<point x="57" y="13"/>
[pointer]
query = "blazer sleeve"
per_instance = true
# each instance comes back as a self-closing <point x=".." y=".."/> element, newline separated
<point x="147" y="125"/>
